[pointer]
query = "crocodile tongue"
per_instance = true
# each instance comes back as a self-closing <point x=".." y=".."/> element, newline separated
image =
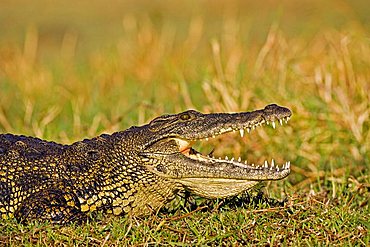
<point x="185" y="147"/>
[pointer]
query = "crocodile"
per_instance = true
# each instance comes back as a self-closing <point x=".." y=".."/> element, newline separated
<point x="132" y="172"/>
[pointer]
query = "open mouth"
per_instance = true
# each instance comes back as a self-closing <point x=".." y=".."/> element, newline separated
<point x="174" y="156"/>
<point x="186" y="148"/>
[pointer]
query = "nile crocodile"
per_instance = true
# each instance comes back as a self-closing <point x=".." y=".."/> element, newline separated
<point x="131" y="172"/>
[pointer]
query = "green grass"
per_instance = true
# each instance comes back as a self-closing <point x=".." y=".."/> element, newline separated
<point x="70" y="74"/>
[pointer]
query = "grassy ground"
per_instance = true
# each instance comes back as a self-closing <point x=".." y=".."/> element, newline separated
<point x="67" y="74"/>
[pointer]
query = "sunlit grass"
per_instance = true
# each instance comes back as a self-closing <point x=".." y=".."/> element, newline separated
<point x="154" y="69"/>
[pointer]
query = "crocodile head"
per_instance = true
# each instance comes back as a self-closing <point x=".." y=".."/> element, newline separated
<point x="168" y="152"/>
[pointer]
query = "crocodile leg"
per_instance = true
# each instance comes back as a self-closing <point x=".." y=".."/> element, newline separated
<point x="51" y="205"/>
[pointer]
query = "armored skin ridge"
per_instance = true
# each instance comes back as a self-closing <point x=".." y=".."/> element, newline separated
<point x="131" y="172"/>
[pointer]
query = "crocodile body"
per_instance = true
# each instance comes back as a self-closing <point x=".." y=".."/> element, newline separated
<point x="132" y="172"/>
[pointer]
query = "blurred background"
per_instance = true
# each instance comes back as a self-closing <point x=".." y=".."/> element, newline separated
<point x="96" y="24"/>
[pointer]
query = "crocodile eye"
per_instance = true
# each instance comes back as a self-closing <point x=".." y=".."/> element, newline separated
<point x="185" y="116"/>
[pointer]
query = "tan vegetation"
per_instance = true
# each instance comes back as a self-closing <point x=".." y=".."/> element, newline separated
<point x="314" y="59"/>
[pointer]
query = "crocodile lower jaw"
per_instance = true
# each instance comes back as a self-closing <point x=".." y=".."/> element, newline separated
<point x="217" y="187"/>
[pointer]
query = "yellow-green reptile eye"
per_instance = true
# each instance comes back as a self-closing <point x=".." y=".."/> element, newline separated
<point x="185" y="116"/>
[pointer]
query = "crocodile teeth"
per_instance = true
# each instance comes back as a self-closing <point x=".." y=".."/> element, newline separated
<point x="273" y="124"/>
<point x="281" y="121"/>
<point x="241" y="132"/>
